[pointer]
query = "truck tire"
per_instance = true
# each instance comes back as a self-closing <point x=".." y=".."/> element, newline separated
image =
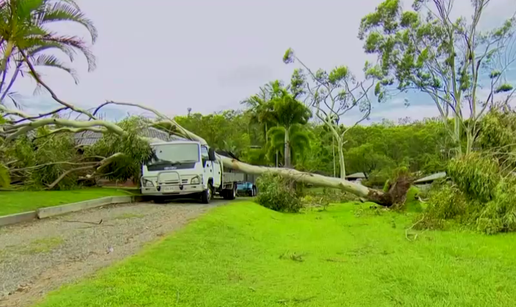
<point x="207" y="194"/>
<point x="230" y="194"/>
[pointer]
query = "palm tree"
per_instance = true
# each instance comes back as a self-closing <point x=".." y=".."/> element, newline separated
<point x="298" y="142"/>
<point x="25" y="37"/>
<point x="289" y="116"/>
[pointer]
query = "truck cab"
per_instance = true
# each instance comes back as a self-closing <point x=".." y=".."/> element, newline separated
<point x="184" y="169"/>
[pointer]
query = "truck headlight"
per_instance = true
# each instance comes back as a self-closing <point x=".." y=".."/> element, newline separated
<point x="148" y="183"/>
<point x="195" y="180"/>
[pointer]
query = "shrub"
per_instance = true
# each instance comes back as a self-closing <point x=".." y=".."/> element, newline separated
<point x="499" y="215"/>
<point x="479" y="196"/>
<point x="475" y="175"/>
<point x="277" y="193"/>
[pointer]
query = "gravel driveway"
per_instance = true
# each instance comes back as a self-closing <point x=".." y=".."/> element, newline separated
<point x="40" y="256"/>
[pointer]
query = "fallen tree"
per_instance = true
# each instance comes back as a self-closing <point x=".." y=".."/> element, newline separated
<point x="25" y="123"/>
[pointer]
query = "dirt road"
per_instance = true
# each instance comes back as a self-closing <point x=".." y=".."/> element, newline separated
<point x="40" y="256"/>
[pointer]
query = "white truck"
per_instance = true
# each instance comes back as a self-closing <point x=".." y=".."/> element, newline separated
<point x="186" y="169"/>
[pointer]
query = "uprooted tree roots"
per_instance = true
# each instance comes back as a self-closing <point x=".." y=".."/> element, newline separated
<point x="396" y="195"/>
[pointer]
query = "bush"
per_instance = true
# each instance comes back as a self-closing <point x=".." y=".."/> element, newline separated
<point x="479" y="197"/>
<point x="475" y="175"/>
<point x="278" y="193"/>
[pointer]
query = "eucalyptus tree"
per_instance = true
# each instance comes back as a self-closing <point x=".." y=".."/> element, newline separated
<point x="453" y="61"/>
<point x="333" y="95"/>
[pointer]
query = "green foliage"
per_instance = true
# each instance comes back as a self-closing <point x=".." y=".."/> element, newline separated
<point x="366" y="159"/>
<point x="386" y="186"/>
<point x="475" y="175"/>
<point x="299" y="140"/>
<point x="498" y="132"/>
<point x="430" y="53"/>
<point x="278" y="193"/>
<point x="38" y="162"/>
<point x="499" y="215"/>
<point x="419" y="146"/>
<point x="445" y="202"/>
<point x="227" y="130"/>
<point x="478" y="196"/>
<point x="5" y="178"/>
<point x="24" y="27"/>
<point x="54" y="148"/>
<point x="412" y="203"/>
<point x="504" y="88"/>
<point x="134" y="151"/>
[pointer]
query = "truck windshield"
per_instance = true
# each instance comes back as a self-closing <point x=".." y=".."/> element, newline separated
<point x="172" y="154"/>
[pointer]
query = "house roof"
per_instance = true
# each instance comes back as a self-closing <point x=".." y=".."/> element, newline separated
<point x="431" y="178"/>
<point x="87" y="138"/>
<point x="356" y="176"/>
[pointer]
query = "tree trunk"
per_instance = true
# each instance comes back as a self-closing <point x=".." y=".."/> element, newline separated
<point x="395" y="195"/>
<point x="341" y="159"/>
<point x="469" y="141"/>
<point x="457" y="130"/>
<point x="288" y="158"/>
<point x="333" y="150"/>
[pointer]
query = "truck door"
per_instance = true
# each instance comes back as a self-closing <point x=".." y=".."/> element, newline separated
<point x="217" y="174"/>
<point x="208" y="165"/>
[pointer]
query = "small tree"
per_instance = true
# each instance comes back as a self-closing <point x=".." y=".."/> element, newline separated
<point x="332" y="96"/>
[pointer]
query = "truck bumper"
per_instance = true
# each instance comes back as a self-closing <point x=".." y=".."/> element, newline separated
<point x="171" y="190"/>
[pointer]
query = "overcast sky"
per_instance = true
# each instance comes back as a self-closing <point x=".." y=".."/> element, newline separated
<point x="211" y="54"/>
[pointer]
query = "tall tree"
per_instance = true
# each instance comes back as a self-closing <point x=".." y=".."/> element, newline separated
<point x="450" y="60"/>
<point x="25" y="39"/>
<point x="333" y="95"/>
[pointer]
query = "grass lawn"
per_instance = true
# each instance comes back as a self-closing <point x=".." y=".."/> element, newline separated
<point x="350" y="255"/>
<point x="20" y="201"/>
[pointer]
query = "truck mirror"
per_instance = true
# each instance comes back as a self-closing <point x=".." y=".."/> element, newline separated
<point x="211" y="154"/>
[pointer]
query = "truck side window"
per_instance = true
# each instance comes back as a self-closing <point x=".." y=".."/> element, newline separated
<point x="204" y="153"/>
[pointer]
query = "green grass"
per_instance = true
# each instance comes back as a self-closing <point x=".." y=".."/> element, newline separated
<point x="350" y="255"/>
<point x="20" y="201"/>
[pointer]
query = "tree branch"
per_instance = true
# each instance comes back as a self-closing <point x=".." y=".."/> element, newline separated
<point x="63" y="175"/>
<point x="21" y="129"/>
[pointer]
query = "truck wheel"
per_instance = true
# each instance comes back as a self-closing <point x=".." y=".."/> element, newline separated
<point x="230" y="194"/>
<point x="207" y="194"/>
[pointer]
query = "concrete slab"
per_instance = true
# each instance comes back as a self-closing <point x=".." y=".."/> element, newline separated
<point x="122" y="199"/>
<point x="17" y="218"/>
<point x="83" y="205"/>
